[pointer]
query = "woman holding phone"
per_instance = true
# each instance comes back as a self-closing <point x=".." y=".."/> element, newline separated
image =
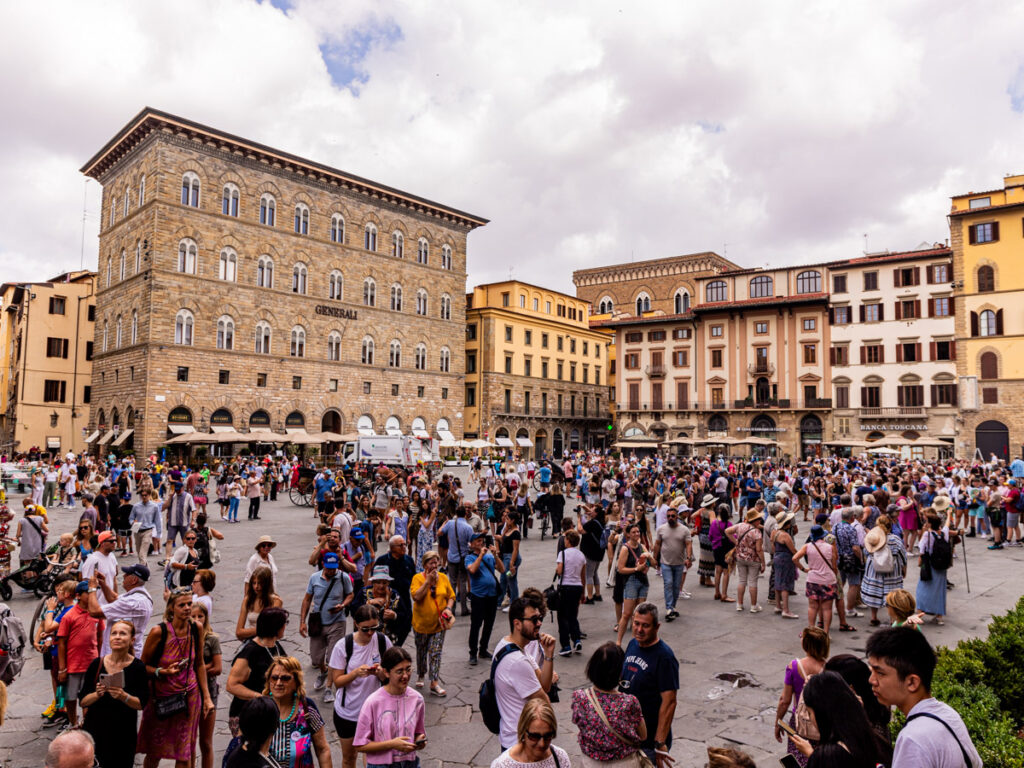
<point x="390" y="726"/>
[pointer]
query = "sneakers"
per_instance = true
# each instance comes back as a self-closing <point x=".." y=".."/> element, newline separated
<point x="59" y="718"/>
<point x="756" y="609"/>
<point x="995" y="546"/>
<point x="855" y="614"/>
<point x="598" y="599"/>
<point x="50" y="711"/>
<point x="505" y="609"/>
<point x="672" y="615"/>
<point x="321" y="681"/>
<point x="485" y="654"/>
<point x="684" y="594"/>
<point x="328" y="696"/>
<point x="739" y="607"/>
<point x="578" y="648"/>
<point x="566" y="651"/>
<point x="472" y="660"/>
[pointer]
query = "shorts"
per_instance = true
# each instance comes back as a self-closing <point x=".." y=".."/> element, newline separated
<point x="719" y="554"/>
<point x="635" y="589"/>
<point x="346" y="728"/>
<point x="174" y="531"/>
<point x="747" y="572"/>
<point x="73" y="686"/>
<point x="853" y="579"/>
<point x="1012" y="519"/>
<point x="124" y="533"/>
<point x="822" y="592"/>
<point x="996" y="516"/>
<point x="976" y="511"/>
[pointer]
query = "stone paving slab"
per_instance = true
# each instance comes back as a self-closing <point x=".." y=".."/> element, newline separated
<point x="709" y="638"/>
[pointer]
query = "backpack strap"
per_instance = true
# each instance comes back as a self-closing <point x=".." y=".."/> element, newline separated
<point x="505" y="651"/>
<point x="963" y="751"/>
<point x="350" y="641"/>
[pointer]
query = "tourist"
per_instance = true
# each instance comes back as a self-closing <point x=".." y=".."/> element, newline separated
<point x="783" y="549"/>
<point x="727" y="757"/>
<point x="533" y="748"/>
<point x="483" y="566"/>
<point x="213" y="661"/>
<point x="300" y="731"/>
<point x="206" y="541"/>
<point x="71" y="749"/>
<point x="31" y="534"/>
<point x="248" y="673"/>
<point x="459" y="532"/>
<point x="356" y="673"/>
<point x="651" y="673"/>
<point x="135" y="605"/>
<point x="181" y="509"/>
<point x="673" y="554"/>
<point x="884" y="568"/>
<point x="902" y="664"/>
<point x="203" y="584"/>
<point x="258" y="722"/>
<point x="822" y="581"/>
<point x="390" y="726"/>
<point x="509" y="540"/>
<point x="46" y="642"/>
<point x="262" y="558"/>
<point x="931" y="592"/>
<point x="79" y="638"/>
<point x="402" y="569"/>
<point x="570" y="569"/>
<point x="259" y="595"/>
<point x="591" y="530"/>
<point x="427" y="532"/>
<point x="147" y="514"/>
<point x="381" y="596"/>
<point x="173" y="654"/>
<point x="749" y="554"/>
<point x="611" y="724"/>
<point x="330" y="591"/>
<point x="721" y="545"/>
<point x="433" y="601"/>
<point x="111" y="709"/>
<point x="902" y="609"/>
<point x="181" y="570"/>
<point x="815" y="643"/>
<point x="254" y="493"/>
<point x="633" y="564"/>
<point x="857" y="675"/>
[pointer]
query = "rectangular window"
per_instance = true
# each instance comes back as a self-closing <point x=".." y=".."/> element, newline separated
<point x="842" y="396"/>
<point x="559" y="370"/>
<point x="56" y="347"/>
<point x="839" y="284"/>
<point x="810" y="393"/>
<point x="716" y="331"/>
<point x="572" y="346"/>
<point x="841" y="315"/>
<point x="332" y="385"/>
<point x="634" y="337"/>
<point x="394" y="390"/>
<point x="656" y="336"/>
<point x="717" y="397"/>
<point x="420" y="391"/>
<point x="657" y="396"/>
<point x="88" y="350"/>
<point x="810" y="323"/>
<point x="471" y="332"/>
<point x="559" y="343"/>
<point x="810" y="354"/>
<point x="872" y="313"/>
<point x="939" y="273"/>
<point x="681" y="358"/>
<point x="526" y="402"/>
<point x="131" y="373"/>
<point x="522" y="301"/>
<point x="57" y="305"/>
<point x="597" y="374"/>
<point x="586" y="346"/>
<point x="508" y="333"/>
<point x="586" y="374"/>
<point x="508" y="363"/>
<point x="223" y="377"/>
<point x="543" y="403"/>
<point x="682" y="396"/>
<point x="560" y="405"/>
<point x="840" y="355"/>
<point x="870" y="397"/>
<point x="983" y="233"/>
<point x="716" y="358"/>
<point x="536" y="304"/>
<point x="843" y="425"/>
<point x="547" y="307"/>
<point x="54" y="391"/>
<point x="527" y="367"/>
<point x="182" y="373"/>
<point x="943" y="394"/>
<point x="910" y="352"/>
<point x="872" y="353"/>
<point x="544" y="341"/>
<point x="471" y="362"/>
<point x="470" y="395"/>
<point x="760" y="328"/>
<point x="940" y="307"/>
<point x="907" y="309"/>
<point x="508" y="401"/>
<point x="528" y="337"/>
<point x="572" y="371"/>
<point x="87" y="394"/>
<point x="505" y="299"/>
<point x="543" y="369"/>
<point x="681" y="333"/>
<point x="942" y="350"/>
<point x="911" y="395"/>
<point x="632" y="361"/>
<point x="296" y="382"/>
<point x="91" y="313"/>
<point x="366" y="387"/>
<point x="870" y="281"/>
<point x="980" y="202"/>
<point x="261" y="379"/>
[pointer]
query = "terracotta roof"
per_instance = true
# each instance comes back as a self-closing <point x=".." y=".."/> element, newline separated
<point x="1002" y="206"/>
<point x="894" y="256"/>
<point x="646" y="320"/>
<point x="804" y="298"/>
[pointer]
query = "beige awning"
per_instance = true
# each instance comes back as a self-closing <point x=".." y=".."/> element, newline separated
<point x="525" y="442"/>
<point x="636" y="444"/>
<point x="295" y="430"/>
<point x="106" y="437"/>
<point x="92" y="437"/>
<point x="444" y="434"/>
<point x="504" y="442"/>
<point x="123" y="436"/>
<point x="393" y="431"/>
<point x="181" y="429"/>
<point x="421" y="433"/>
<point x="221" y="428"/>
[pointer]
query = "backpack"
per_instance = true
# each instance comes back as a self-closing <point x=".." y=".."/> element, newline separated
<point x="1018" y="503"/>
<point x="13" y="642"/>
<point x="802" y="719"/>
<point x="605" y="535"/>
<point x="884" y="561"/>
<point x="489" y="692"/>
<point x="942" y="553"/>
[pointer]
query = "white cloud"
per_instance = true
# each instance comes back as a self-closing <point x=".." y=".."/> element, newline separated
<point x="588" y="132"/>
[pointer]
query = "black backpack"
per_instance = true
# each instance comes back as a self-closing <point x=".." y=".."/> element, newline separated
<point x="942" y="553"/>
<point x="489" y="693"/>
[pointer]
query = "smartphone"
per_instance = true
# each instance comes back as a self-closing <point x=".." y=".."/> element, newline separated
<point x="789" y="762"/>
<point x="786" y="727"/>
<point x="421" y="741"/>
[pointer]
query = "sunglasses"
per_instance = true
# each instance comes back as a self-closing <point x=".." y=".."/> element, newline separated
<point x="547" y="736"/>
<point x="535" y="619"/>
<point x="374" y="628"/>
<point x="281" y="678"/>
<point x="179" y="591"/>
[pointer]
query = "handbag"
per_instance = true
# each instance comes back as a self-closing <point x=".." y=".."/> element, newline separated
<point x="926" y="567"/>
<point x="168" y="706"/>
<point x="730" y="556"/>
<point x="642" y="759"/>
<point x="448" y="623"/>
<point x="551" y="595"/>
<point x="806" y="726"/>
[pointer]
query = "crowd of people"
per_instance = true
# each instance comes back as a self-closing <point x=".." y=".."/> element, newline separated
<point x="405" y="553"/>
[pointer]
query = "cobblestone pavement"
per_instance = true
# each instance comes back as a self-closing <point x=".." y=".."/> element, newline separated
<point x="712" y="641"/>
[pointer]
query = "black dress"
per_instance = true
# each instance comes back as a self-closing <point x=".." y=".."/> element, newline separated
<point x="112" y="723"/>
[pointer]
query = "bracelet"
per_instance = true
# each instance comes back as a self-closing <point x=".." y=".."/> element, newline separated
<point x="157" y="673"/>
<point x="549" y="658"/>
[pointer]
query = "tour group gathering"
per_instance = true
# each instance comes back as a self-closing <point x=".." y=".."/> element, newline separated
<point x="398" y="556"/>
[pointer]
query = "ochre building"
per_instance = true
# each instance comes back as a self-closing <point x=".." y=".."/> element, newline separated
<point x="536" y="373"/>
<point x="244" y="287"/>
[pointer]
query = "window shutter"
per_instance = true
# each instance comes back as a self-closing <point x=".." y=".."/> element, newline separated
<point x="952" y="350"/>
<point x="899" y="396"/>
<point x="952" y="307"/>
<point x="995" y="230"/>
<point x="917" y="349"/>
<point x="929" y="275"/>
<point x="863" y="354"/>
<point x="896" y="278"/>
<point x="831" y="316"/>
<point x="862" y="313"/>
<point x="917" y="276"/>
<point x="931" y="350"/>
<point x="864" y="397"/>
<point x="917" y="307"/>
<point x="919" y="389"/>
<point x="999" y="322"/>
<point x="934" y="393"/>
<point x="881" y="311"/>
<point x="899" y="353"/>
<point x="832" y="356"/>
<point x="972" y="236"/>
<point x="974" y="323"/>
<point x="931" y="307"/>
<point x="899" y="311"/>
<point x="881" y="353"/>
<point x="956" y="394"/>
<point x="65" y="349"/>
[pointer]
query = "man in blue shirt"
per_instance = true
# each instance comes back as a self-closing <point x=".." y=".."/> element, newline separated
<point x="147" y="514"/>
<point x="328" y="592"/>
<point x="544" y="474"/>
<point x="459" y="533"/>
<point x="1017" y="467"/>
<point x="483" y="565"/>
<point x="324" y="487"/>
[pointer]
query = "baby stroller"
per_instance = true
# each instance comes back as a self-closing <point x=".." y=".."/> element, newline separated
<point x="32" y="576"/>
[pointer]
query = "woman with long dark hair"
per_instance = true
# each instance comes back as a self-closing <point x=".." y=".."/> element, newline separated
<point x="857" y="675"/>
<point x="848" y="740"/>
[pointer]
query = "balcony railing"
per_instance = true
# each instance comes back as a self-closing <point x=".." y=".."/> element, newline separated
<point x="761" y="369"/>
<point x="756" y="404"/>
<point x="889" y="412"/>
<point x="656" y="371"/>
<point x="738" y="405"/>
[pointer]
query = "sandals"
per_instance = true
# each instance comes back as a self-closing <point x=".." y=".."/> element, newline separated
<point x="728" y="599"/>
<point x="875" y="622"/>
<point x="718" y="595"/>
<point x="419" y="683"/>
<point x="440" y="692"/>
<point x="847" y="628"/>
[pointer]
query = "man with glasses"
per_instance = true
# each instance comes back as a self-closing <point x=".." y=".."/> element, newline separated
<point x="651" y="673"/>
<point x="135" y="605"/>
<point x="401" y="568"/>
<point x="147" y="514"/>
<point x="517" y="677"/>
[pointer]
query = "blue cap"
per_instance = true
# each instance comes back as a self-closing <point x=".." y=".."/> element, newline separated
<point x="83" y="586"/>
<point x="331" y="560"/>
<point x="357" y="533"/>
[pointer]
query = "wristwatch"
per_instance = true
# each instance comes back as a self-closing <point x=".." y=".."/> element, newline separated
<point x="660" y="744"/>
<point x="92" y="589"/>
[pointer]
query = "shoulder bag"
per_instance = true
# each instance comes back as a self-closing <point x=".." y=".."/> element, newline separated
<point x="643" y="760"/>
<point x="166" y="707"/>
<point x="802" y="718"/>
<point x="730" y="556"/>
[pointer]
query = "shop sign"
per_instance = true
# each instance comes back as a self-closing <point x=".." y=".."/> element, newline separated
<point x="344" y="314"/>
<point x="893" y="427"/>
<point x="762" y="429"/>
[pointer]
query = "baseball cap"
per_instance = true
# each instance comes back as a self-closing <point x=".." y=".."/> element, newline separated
<point x="476" y="536"/>
<point x="331" y="560"/>
<point x="357" y="533"/>
<point x="136" y="569"/>
<point x="105" y="536"/>
<point x="83" y="586"/>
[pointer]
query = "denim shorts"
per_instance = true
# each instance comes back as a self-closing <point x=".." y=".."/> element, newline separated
<point x="635" y="589"/>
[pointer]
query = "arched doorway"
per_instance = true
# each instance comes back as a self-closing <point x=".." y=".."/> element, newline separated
<point x="540" y="443"/>
<point x="811" y="435"/>
<point x="718" y="426"/>
<point x="557" y="445"/>
<point x="329" y="422"/>
<point x="992" y="438"/>
<point x="763" y="427"/>
<point x="523" y="447"/>
<point x="574" y="440"/>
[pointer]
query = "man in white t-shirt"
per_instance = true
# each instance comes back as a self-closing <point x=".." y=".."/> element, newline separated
<point x="102" y="561"/>
<point x="516" y="675"/>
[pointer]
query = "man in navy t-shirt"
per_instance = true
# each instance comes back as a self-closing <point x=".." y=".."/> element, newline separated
<point x="483" y="565"/>
<point x="651" y="673"/>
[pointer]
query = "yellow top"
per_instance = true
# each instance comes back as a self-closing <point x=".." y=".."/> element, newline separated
<point x="425" y="612"/>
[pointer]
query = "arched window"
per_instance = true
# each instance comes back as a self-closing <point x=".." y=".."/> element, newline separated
<point x="138" y="257"/>
<point x="446" y="307"/>
<point x="986" y="279"/>
<point x="334" y="346"/>
<point x="334" y="285"/>
<point x="446" y="257"/>
<point x="605" y="306"/>
<point x="446" y="359"/>
<point x="718" y="424"/>
<point x="135" y="326"/>
<point x="716" y="291"/>
<point x="105" y="334"/>
<point x="225" y="332"/>
<point x="262" y="338"/>
<point x="421" y="302"/>
<point x="190" y="190"/>
<point x="142" y="190"/>
<point x="268" y="209"/>
<point x="299" y="275"/>
<point x="422" y="251"/>
<point x="681" y="302"/>
<point x="228" y="267"/>
<point x="392" y="426"/>
<point x="808" y="282"/>
<point x="298" y="345"/>
<point x="124" y="265"/>
<point x="643" y="303"/>
<point x="369" y="292"/>
<point x="395" y="354"/>
<point x="365" y="425"/>
<point x="761" y="287"/>
<point x="989" y="365"/>
<point x="117" y="332"/>
<point x="370" y="237"/>
<point x="265" y="272"/>
<point x="127" y="202"/>
<point x="187" y="256"/>
<point x="110" y="270"/>
<point x="337" y="228"/>
<point x="421" y="357"/>
<point x="396" y="298"/>
<point x="398" y="245"/>
<point x="367" y="351"/>
<point x="302" y="219"/>
<point x="229" y="200"/>
<point x="183" y="324"/>
<point x="987" y="323"/>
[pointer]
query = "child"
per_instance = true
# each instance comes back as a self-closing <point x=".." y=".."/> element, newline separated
<point x="390" y="726"/>
<point x="902" y="608"/>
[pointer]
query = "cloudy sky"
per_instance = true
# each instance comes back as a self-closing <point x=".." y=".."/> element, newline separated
<point x="589" y="132"/>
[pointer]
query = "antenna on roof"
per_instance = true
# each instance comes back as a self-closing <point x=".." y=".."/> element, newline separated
<point x="725" y="250"/>
<point x="85" y="196"/>
<point x="510" y="273"/>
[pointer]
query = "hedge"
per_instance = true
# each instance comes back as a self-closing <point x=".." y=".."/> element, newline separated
<point x="980" y="679"/>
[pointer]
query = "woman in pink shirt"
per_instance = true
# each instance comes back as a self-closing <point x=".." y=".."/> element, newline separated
<point x="390" y="726"/>
<point x="822" y="588"/>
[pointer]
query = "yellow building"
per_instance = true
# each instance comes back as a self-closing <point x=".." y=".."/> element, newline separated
<point x="987" y="237"/>
<point x="46" y="332"/>
<point x="536" y="374"/>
